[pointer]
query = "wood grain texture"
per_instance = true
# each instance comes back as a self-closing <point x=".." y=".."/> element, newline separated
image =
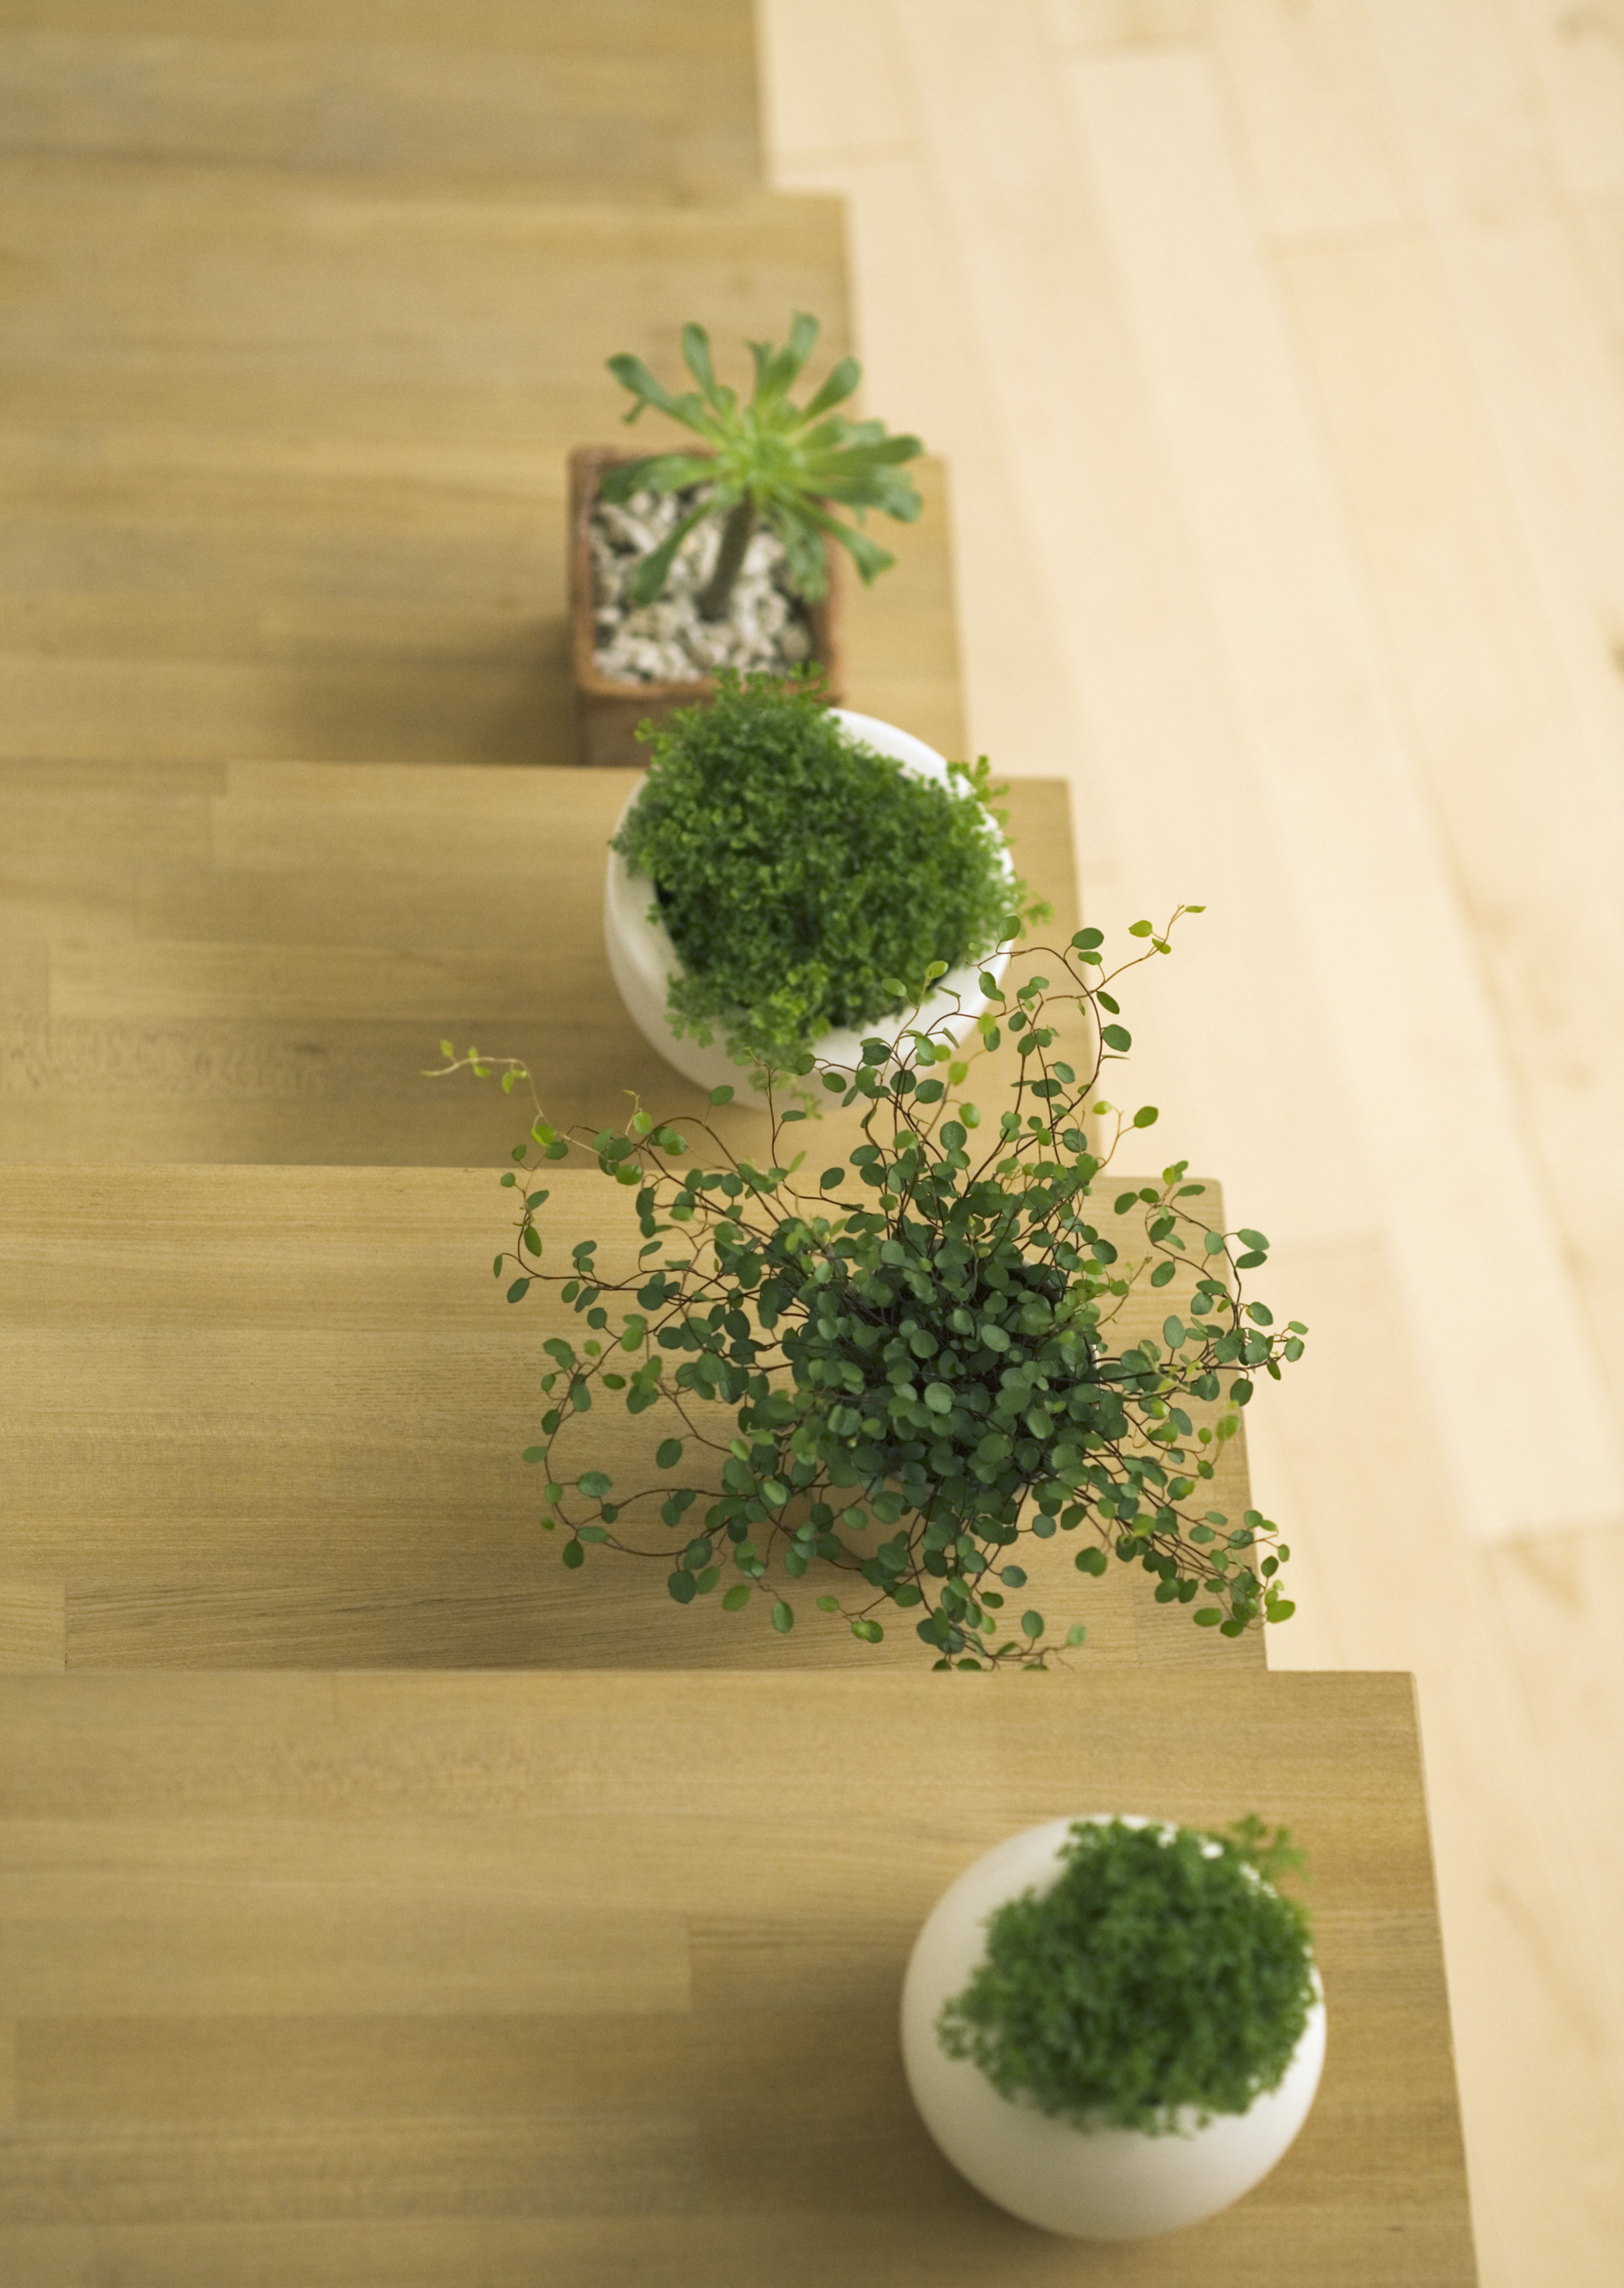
<point x="32" y="1625"/>
<point x="275" y="986"/>
<point x="274" y="1417"/>
<point x="1295" y="623"/>
<point x="628" y="100"/>
<point x="1496" y="728"/>
<point x="286" y="457"/>
<point x="755" y="2125"/>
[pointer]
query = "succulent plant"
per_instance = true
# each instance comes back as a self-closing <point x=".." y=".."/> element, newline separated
<point x="765" y="462"/>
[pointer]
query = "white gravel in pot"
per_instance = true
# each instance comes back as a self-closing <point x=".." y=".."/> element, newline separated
<point x="767" y="626"/>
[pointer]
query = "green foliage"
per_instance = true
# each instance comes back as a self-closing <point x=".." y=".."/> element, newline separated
<point x="902" y="1367"/>
<point x="1158" y="1973"/>
<point x="746" y="824"/>
<point x="769" y="462"/>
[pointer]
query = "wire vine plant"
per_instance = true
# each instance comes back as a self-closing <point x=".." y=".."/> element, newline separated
<point x="914" y="1351"/>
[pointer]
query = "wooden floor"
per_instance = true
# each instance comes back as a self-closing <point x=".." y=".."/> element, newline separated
<point x="1275" y="349"/>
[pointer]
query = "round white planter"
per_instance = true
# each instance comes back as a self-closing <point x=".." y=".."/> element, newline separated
<point x="642" y="957"/>
<point x="1097" y="2184"/>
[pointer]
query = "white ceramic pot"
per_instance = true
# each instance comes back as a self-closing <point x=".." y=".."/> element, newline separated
<point x="1097" y="2184"/>
<point x="642" y="957"/>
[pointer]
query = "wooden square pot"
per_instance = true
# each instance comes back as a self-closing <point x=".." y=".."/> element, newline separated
<point x="609" y="709"/>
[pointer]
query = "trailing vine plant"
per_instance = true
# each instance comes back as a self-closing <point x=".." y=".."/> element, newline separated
<point x="915" y="1351"/>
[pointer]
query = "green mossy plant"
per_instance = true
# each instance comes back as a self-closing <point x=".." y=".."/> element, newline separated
<point x="768" y="463"/>
<point x="1161" y="1972"/>
<point x="905" y="1366"/>
<point x="806" y="882"/>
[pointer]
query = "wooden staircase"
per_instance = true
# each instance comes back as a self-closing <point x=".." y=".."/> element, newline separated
<point x="294" y="352"/>
<point x="303" y="307"/>
<point x="298" y="330"/>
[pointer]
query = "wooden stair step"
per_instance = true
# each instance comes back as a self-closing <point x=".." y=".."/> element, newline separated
<point x="257" y="961"/>
<point x="403" y="623"/>
<point x="287" y="470"/>
<point x="335" y="1982"/>
<point x="189" y="272"/>
<point x="623" y="98"/>
<point x="274" y="1416"/>
<point x="381" y="647"/>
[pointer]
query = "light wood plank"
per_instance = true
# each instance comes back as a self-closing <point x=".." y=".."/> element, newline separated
<point x="1535" y="330"/>
<point x="573" y="2165"/>
<point x="1128" y="23"/>
<point x="54" y="2256"/>
<point x="1578" y="54"/>
<point x="184" y="271"/>
<point x="470" y="2068"/>
<point x="839" y="85"/>
<point x="213" y="1037"/>
<point x="32" y="1625"/>
<point x="336" y="1952"/>
<point x="718" y="30"/>
<point x="1136" y="653"/>
<point x="1320" y="147"/>
<point x="1356" y="1459"/>
<point x="1601" y="223"/>
<point x="636" y="104"/>
<point x="1562" y="1608"/>
<point x="185" y="982"/>
<point x="1496" y="730"/>
<point x="240" y="524"/>
<point x="445" y="642"/>
<point x="925" y="367"/>
<point x="1295" y="625"/>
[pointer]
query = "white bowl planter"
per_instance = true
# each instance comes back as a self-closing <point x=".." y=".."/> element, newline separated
<point x="642" y="957"/>
<point x="1098" y="2184"/>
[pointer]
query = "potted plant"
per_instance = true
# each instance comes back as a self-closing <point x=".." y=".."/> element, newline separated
<point x="1114" y="2027"/>
<point x="905" y="1365"/>
<point x="783" y="867"/>
<point x="719" y="554"/>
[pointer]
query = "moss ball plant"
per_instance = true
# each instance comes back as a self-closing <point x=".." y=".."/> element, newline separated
<point x="1162" y="1973"/>
<point x="805" y="881"/>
